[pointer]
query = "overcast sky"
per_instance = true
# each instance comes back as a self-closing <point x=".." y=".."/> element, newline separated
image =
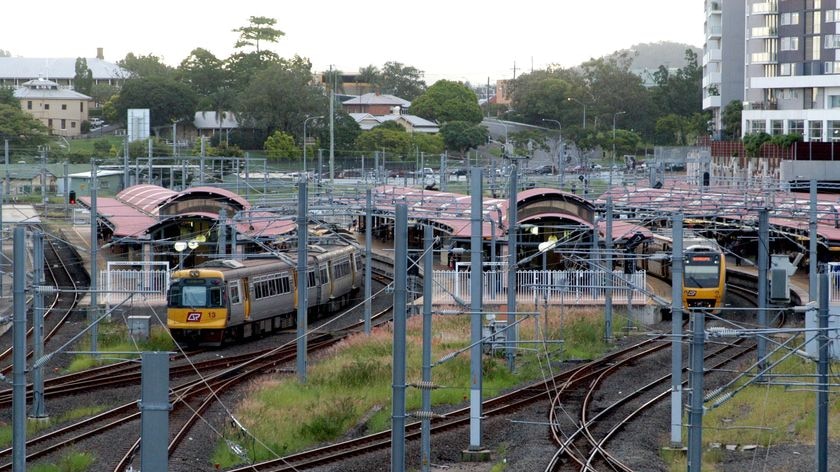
<point x="454" y="39"/>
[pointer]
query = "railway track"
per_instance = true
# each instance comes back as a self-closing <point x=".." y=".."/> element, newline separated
<point x="69" y="277"/>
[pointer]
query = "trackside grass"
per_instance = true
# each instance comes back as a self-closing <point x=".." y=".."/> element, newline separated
<point x="33" y="427"/>
<point x="72" y="462"/>
<point x="348" y="390"/>
<point x="114" y="342"/>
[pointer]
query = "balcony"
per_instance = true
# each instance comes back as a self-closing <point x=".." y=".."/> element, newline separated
<point x="711" y="78"/>
<point x="764" y="32"/>
<point x="713" y="31"/>
<point x="713" y="7"/>
<point x="765" y="8"/>
<point x="712" y="55"/>
<point x="712" y="101"/>
<point x="763" y="58"/>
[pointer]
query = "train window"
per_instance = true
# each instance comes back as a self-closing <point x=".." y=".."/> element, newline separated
<point x="311" y="278"/>
<point x="324" y="276"/>
<point x="341" y="269"/>
<point x="194" y="296"/>
<point x="233" y="290"/>
<point x="271" y="285"/>
<point x="216" y="298"/>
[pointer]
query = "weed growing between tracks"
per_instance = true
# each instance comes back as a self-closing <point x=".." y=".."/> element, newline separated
<point x="35" y="426"/>
<point x="348" y="389"/>
<point x="114" y="338"/>
<point x="72" y="462"/>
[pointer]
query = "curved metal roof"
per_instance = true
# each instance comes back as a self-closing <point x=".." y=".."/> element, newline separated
<point x="146" y="197"/>
<point x="233" y="197"/>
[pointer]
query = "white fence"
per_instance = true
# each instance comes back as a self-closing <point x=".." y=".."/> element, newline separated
<point x="585" y="287"/>
<point x="149" y="279"/>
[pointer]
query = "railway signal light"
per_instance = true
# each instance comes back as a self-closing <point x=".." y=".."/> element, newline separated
<point x="71" y="197"/>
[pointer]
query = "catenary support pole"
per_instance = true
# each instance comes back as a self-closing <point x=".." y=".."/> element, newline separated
<point x="428" y="273"/>
<point x="676" y="329"/>
<point x="513" y="233"/>
<point x="763" y="266"/>
<point x="93" y="313"/>
<point x="19" y="354"/>
<point x="154" y="411"/>
<point x="476" y="286"/>
<point x="608" y="271"/>
<point x="812" y="244"/>
<point x="39" y="409"/>
<point x="398" y="376"/>
<point x="822" y="376"/>
<point x="221" y="232"/>
<point x="302" y="280"/>
<point x="695" y="431"/>
<point x="368" y="258"/>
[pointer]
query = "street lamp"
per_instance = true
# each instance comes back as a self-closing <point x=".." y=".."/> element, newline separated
<point x="612" y="161"/>
<point x="572" y="99"/>
<point x="304" y="142"/>
<point x="561" y="161"/>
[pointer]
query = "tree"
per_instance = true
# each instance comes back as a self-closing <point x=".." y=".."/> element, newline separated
<point x="447" y="101"/>
<point x="281" y="145"/>
<point x="383" y="138"/>
<point x="18" y="125"/>
<point x="83" y="80"/>
<point x="369" y="75"/>
<point x="543" y="94"/>
<point x="203" y="72"/>
<point x="281" y="97"/>
<point x="168" y="101"/>
<point x="680" y="93"/>
<point x="7" y="96"/>
<point x="101" y="93"/>
<point x="402" y="81"/>
<point x="345" y="131"/>
<point x="260" y="28"/>
<point x="334" y="78"/>
<point x="145" y="66"/>
<point x="462" y="136"/>
<point x="753" y="143"/>
<point x="615" y="88"/>
<point x="731" y="119"/>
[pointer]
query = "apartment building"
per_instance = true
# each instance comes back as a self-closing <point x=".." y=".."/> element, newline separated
<point x="723" y="57"/>
<point x="792" y="68"/>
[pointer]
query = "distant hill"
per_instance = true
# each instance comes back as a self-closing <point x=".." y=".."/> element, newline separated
<point x="652" y="55"/>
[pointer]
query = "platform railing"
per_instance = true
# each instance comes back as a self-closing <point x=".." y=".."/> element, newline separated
<point x="586" y="287"/>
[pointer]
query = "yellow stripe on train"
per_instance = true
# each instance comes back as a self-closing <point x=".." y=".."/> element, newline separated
<point x="203" y="318"/>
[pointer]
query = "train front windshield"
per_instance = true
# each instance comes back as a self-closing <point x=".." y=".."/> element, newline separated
<point x="196" y="293"/>
<point x="702" y="271"/>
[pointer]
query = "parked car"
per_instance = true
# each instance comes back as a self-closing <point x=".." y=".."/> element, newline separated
<point x="545" y="170"/>
<point x="460" y="171"/>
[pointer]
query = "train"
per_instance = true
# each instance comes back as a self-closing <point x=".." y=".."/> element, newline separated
<point x="229" y="300"/>
<point x="704" y="276"/>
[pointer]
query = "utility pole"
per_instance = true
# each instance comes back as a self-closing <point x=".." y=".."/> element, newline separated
<point x="763" y="266"/>
<point x="19" y="353"/>
<point x="93" y="314"/>
<point x="428" y="273"/>
<point x="332" y="127"/>
<point x="695" y="430"/>
<point x="476" y="286"/>
<point x="822" y="376"/>
<point x="513" y="233"/>
<point x="676" y="329"/>
<point x="302" y="279"/>
<point x="398" y="375"/>
<point x="608" y="311"/>
<point x="368" y="259"/>
<point x="39" y="409"/>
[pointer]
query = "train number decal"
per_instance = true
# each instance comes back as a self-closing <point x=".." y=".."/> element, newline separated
<point x="194" y="316"/>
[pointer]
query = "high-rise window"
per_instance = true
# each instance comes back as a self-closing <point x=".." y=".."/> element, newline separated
<point x="796" y="127"/>
<point x="777" y="127"/>
<point x="815" y="132"/>
<point x="790" y="18"/>
<point x="790" y="43"/>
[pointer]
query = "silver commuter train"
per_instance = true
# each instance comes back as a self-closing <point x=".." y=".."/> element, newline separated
<point x="228" y="300"/>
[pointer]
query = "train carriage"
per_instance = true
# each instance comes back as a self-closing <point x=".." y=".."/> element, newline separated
<point x="704" y="268"/>
<point x="223" y="300"/>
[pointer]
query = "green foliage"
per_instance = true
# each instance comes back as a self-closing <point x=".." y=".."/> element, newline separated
<point x="679" y="93"/>
<point x="281" y="97"/>
<point x="260" y="28"/>
<point x="281" y="145"/>
<point x="7" y="97"/>
<point x="447" y="101"/>
<point x="203" y="72"/>
<point x="101" y="93"/>
<point x="402" y="81"/>
<point x="168" y="101"/>
<point x="145" y="66"/>
<point x="21" y="128"/>
<point x="83" y="80"/>
<point x="345" y="130"/>
<point x="332" y="422"/>
<point x="542" y="94"/>
<point x="731" y="119"/>
<point x="753" y="143"/>
<point x="786" y="140"/>
<point x="101" y="147"/>
<point x="72" y="462"/>
<point x="382" y="138"/>
<point x="462" y="136"/>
